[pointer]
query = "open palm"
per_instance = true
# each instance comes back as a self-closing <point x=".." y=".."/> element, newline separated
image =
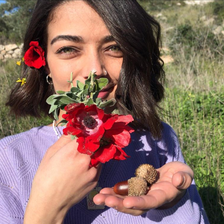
<point x="174" y="179"/>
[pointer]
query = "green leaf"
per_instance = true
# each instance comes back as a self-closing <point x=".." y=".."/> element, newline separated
<point x="88" y="80"/>
<point x="53" y="108"/>
<point x="102" y="82"/>
<point x="107" y="103"/>
<point x="60" y="92"/>
<point x="75" y="89"/>
<point x="115" y="111"/>
<point x="98" y="100"/>
<point x="86" y="89"/>
<point x="72" y="96"/>
<point x="73" y="137"/>
<point x="89" y="102"/>
<point x="55" y="114"/>
<point x="66" y="100"/>
<point x="80" y="85"/>
<point x="50" y="99"/>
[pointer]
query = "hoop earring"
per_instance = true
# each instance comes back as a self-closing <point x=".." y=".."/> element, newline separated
<point x="49" y="80"/>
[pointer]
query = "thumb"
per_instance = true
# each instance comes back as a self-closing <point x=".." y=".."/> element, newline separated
<point x="182" y="180"/>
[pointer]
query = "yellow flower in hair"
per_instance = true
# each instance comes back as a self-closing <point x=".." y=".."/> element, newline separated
<point x="23" y="81"/>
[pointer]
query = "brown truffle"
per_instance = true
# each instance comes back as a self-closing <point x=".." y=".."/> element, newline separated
<point x="148" y="172"/>
<point x="137" y="186"/>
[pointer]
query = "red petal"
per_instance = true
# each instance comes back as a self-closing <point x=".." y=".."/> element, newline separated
<point x="120" y="154"/>
<point x="125" y="118"/>
<point x="87" y="147"/>
<point x="71" y="131"/>
<point x="34" y="43"/>
<point x="34" y="56"/>
<point x="110" y="122"/>
<point x="104" y="154"/>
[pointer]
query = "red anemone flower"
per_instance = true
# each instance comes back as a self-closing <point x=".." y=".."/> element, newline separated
<point x="34" y="56"/>
<point x="100" y="135"/>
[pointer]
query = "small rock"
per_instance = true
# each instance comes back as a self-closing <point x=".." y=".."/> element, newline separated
<point x="10" y="47"/>
<point x="3" y="52"/>
<point x="15" y="55"/>
<point x="17" y="51"/>
<point x="10" y="52"/>
<point x="2" y="47"/>
<point x="20" y="46"/>
<point x="8" y="56"/>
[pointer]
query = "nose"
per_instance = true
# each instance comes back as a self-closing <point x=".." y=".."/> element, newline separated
<point x="94" y="62"/>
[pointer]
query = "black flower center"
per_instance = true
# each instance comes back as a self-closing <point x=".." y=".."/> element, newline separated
<point x="90" y="122"/>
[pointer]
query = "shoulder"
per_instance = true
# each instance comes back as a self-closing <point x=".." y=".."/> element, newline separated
<point x="169" y="137"/>
<point x="33" y="136"/>
<point x="21" y="154"/>
<point x="6" y="141"/>
<point x="168" y="132"/>
<point x="168" y="145"/>
<point x="27" y="146"/>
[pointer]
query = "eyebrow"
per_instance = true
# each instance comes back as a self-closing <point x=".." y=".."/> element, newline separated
<point x="79" y="39"/>
<point x="107" y="39"/>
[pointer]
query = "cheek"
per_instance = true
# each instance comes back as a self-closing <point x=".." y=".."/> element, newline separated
<point x="114" y="69"/>
<point x="60" y="74"/>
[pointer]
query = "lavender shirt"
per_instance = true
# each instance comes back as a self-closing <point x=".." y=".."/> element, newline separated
<point x="21" y="154"/>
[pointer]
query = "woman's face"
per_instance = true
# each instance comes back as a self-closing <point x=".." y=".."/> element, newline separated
<point x="79" y="42"/>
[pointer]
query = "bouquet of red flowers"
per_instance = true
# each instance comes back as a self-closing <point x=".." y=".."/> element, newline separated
<point x="100" y="135"/>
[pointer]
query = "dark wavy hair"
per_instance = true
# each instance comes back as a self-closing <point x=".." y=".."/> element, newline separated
<point x="140" y="86"/>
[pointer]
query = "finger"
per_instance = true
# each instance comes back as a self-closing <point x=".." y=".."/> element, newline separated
<point x="182" y="180"/>
<point x="99" y="199"/>
<point x="159" y="194"/>
<point x="62" y="141"/>
<point x="110" y="191"/>
<point x="107" y="191"/>
<point x="117" y="203"/>
<point x="145" y="202"/>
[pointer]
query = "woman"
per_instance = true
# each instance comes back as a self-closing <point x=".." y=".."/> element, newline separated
<point x="45" y="180"/>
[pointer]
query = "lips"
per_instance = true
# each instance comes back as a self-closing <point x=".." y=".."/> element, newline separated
<point x="106" y="91"/>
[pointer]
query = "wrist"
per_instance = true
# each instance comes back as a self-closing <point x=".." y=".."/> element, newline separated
<point x="43" y="215"/>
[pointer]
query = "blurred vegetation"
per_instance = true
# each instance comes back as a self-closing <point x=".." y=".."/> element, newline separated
<point x="14" y="17"/>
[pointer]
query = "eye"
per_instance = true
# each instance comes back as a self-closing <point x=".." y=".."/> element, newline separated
<point x="114" y="51"/>
<point x="67" y="52"/>
<point x="115" y="48"/>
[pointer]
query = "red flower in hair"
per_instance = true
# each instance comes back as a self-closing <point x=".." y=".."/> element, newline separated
<point x="100" y="135"/>
<point x="34" y="56"/>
